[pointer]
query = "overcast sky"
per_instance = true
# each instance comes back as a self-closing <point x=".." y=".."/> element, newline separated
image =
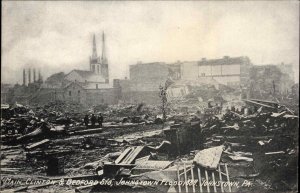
<point x="57" y="36"/>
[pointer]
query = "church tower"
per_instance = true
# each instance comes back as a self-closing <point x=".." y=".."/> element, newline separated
<point x="99" y="65"/>
<point x="104" y="63"/>
<point x="95" y="65"/>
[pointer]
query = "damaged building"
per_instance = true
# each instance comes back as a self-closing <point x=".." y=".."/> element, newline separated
<point x="267" y="81"/>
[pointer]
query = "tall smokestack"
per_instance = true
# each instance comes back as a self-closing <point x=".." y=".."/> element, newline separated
<point x="34" y="75"/>
<point x="24" y="77"/>
<point x="29" y="75"/>
<point x="40" y="76"/>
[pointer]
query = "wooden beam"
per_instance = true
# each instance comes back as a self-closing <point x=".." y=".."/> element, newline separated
<point x="206" y="176"/>
<point x="178" y="178"/>
<point x="199" y="176"/>
<point x="228" y="180"/>
<point x="220" y="176"/>
<point x="185" y="178"/>
<point x="214" y="180"/>
<point x="260" y="104"/>
<point x="192" y="173"/>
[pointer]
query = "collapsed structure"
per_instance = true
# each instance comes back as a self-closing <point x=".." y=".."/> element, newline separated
<point x="248" y="147"/>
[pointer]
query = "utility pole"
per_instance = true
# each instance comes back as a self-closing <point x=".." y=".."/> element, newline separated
<point x="274" y="87"/>
<point x="163" y="96"/>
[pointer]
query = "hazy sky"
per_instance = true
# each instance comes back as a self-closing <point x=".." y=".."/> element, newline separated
<point x="57" y="36"/>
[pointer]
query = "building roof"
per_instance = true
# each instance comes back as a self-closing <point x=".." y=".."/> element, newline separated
<point x="70" y="83"/>
<point x="89" y="76"/>
<point x="57" y="77"/>
<point x="84" y="73"/>
<point x="225" y="60"/>
<point x="147" y="64"/>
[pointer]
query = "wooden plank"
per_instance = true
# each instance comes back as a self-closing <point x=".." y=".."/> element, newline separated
<point x="178" y="178"/>
<point x="187" y="170"/>
<point x="185" y="178"/>
<point x="206" y="176"/>
<point x="228" y="180"/>
<point x="192" y="173"/>
<point x="214" y="180"/>
<point x="220" y="176"/>
<point x="222" y="173"/>
<point x="123" y="155"/>
<point x="264" y="105"/>
<point x="258" y="100"/>
<point x="88" y="131"/>
<point x="199" y="176"/>
<point x="130" y="157"/>
<point x="289" y="110"/>
<point x="38" y="144"/>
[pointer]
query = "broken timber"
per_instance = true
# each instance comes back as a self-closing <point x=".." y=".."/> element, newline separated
<point x="260" y="104"/>
<point x="37" y="144"/>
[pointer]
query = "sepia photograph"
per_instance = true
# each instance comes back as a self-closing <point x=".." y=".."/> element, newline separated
<point x="149" y="96"/>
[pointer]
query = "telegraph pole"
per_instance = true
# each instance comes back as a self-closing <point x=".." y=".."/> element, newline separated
<point x="163" y="96"/>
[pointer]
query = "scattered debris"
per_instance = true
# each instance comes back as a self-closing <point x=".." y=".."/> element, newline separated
<point x="253" y="139"/>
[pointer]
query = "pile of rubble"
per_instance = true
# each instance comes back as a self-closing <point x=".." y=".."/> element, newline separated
<point x="247" y="148"/>
<point x="131" y="113"/>
<point x="60" y="118"/>
<point x="249" y="152"/>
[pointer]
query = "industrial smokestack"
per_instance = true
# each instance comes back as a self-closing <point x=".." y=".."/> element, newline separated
<point x="34" y="75"/>
<point x="24" y="77"/>
<point x="40" y="76"/>
<point x="29" y="75"/>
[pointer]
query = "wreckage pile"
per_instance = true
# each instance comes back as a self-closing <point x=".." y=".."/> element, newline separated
<point x="250" y="148"/>
<point x="131" y="113"/>
<point x="59" y="109"/>
<point x="20" y="124"/>
<point x="265" y="141"/>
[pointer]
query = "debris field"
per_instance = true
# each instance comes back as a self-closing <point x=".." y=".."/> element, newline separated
<point x="63" y="147"/>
